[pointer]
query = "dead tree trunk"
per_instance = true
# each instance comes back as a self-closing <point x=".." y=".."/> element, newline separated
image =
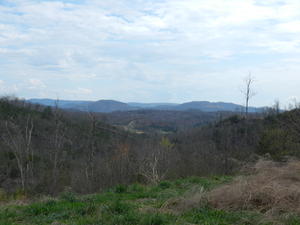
<point x="248" y="92"/>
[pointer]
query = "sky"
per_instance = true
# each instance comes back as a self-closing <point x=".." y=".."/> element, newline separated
<point x="150" y="50"/>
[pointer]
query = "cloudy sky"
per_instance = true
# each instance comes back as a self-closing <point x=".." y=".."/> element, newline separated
<point x="150" y="50"/>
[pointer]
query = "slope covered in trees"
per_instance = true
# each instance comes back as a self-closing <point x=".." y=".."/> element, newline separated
<point x="47" y="150"/>
<point x="163" y="121"/>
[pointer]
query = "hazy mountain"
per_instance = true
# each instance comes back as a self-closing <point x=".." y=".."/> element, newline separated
<point x="93" y="106"/>
<point x="206" y="106"/>
<point x="209" y="106"/>
<point x="61" y="103"/>
<point x="151" y="105"/>
<point x="107" y="106"/>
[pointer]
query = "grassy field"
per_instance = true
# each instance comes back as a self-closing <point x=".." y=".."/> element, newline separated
<point x="170" y="202"/>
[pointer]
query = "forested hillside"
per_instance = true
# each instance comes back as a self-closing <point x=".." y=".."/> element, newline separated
<point x="45" y="150"/>
<point x="48" y="151"/>
<point x="163" y="121"/>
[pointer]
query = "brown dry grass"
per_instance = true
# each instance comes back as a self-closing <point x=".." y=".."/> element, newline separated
<point x="272" y="188"/>
<point x="193" y="198"/>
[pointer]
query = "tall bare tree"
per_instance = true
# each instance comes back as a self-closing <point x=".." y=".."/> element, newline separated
<point x="57" y="141"/>
<point x="18" y="140"/>
<point x="91" y="149"/>
<point x="248" y="91"/>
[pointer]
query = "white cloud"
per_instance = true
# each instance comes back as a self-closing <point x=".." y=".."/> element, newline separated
<point x="36" y="84"/>
<point x="7" y="89"/>
<point x="79" y="91"/>
<point x="85" y="91"/>
<point x="289" y="27"/>
<point x="156" y="45"/>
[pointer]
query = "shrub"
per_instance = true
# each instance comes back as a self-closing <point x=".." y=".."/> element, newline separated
<point x="120" y="188"/>
<point x="119" y="207"/>
<point x="165" y="184"/>
<point x="68" y="196"/>
<point x="155" y="219"/>
<point x="136" y="188"/>
<point x="20" y="195"/>
<point x="3" y="195"/>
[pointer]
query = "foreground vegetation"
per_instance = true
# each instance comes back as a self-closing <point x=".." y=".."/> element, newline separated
<point x="169" y="202"/>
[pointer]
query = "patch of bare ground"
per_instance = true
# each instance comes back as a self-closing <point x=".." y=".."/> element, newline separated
<point x="272" y="188"/>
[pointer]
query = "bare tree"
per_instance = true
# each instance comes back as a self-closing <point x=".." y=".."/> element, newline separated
<point x="91" y="149"/>
<point x="156" y="165"/>
<point x="19" y="140"/>
<point x="248" y="92"/>
<point x="276" y="106"/>
<point x="57" y="141"/>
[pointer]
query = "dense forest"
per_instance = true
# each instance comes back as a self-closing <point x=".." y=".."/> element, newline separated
<point x="45" y="150"/>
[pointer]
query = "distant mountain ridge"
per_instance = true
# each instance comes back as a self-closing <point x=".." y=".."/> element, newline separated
<point x="104" y="106"/>
<point x="107" y="106"/>
<point x="150" y="105"/>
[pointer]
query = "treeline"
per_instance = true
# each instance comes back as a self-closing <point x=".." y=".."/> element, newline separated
<point x="47" y="150"/>
<point x="225" y="146"/>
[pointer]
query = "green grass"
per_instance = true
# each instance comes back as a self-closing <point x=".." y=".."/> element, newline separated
<point x="130" y="205"/>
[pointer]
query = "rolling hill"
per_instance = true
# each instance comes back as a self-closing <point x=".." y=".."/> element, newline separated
<point x="107" y="106"/>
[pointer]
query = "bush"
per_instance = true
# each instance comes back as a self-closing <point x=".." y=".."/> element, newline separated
<point x="155" y="219"/>
<point x="136" y="188"/>
<point x="68" y="196"/>
<point x="119" y="207"/>
<point x="127" y="219"/>
<point x="120" y="188"/>
<point x="3" y="195"/>
<point x="20" y="195"/>
<point x="165" y="184"/>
